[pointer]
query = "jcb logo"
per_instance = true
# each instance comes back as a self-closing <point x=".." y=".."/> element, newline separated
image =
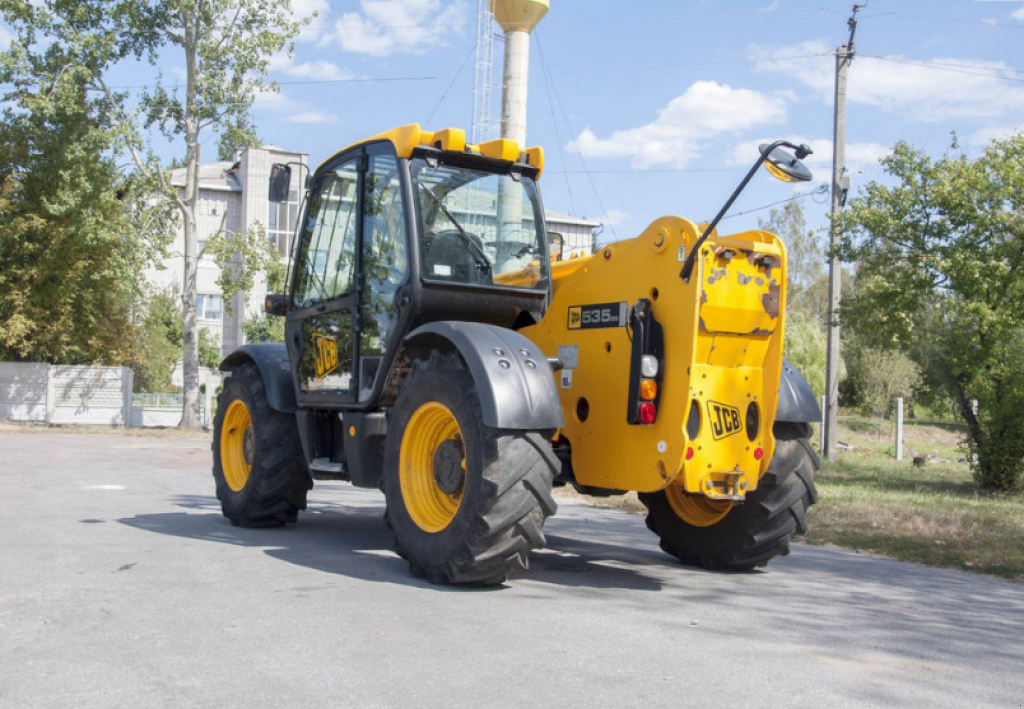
<point x="724" y="420"/>
<point x="575" y="317"/>
<point x="326" y="351"/>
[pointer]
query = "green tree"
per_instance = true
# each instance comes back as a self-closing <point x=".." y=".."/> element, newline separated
<point x="75" y="233"/>
<point x="807" y="277"/>
<point x="943" y="248"/>
<point x="806" y="293"/>
<point x="225" y="47"/>
<point x="879" y="377"/>
<point x="159" y="343"/>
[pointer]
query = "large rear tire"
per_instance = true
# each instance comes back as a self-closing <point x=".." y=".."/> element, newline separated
<point x="258" y="465"/>
<point x="466" y="502"/>
<point x="749" y="534"/>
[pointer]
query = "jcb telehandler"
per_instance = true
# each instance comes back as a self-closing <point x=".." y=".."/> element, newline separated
<point x="435" y="351"/>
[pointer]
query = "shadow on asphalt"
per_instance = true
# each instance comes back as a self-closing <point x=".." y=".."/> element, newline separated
<point x="352" y="540"/>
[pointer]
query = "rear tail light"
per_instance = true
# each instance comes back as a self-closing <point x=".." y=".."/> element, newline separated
<point x="647" y="412"/>
<point x="648" y="389"/>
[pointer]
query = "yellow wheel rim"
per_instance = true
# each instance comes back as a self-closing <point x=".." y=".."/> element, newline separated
<point x="696" y="510"/>
<point x="236" y="445"/>
<point x="431" y="426"/>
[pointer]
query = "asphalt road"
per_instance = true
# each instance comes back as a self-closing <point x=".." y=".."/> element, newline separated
<point x="122" y="585"/>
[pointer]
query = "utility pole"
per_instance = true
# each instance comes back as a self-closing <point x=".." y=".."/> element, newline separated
<point x="840" y="185"/>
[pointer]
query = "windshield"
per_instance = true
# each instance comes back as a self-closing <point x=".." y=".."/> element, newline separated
<point x="478" y="228"/>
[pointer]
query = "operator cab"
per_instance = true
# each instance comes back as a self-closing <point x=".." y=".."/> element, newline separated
<point x="406" y="228"/>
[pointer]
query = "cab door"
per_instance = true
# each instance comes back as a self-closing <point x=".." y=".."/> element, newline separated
<point x="321" y="325"/>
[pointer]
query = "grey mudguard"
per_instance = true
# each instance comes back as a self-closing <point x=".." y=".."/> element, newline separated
<point x="797" y="403"/>
<point x="512" y="375"/>
<point x="272" y="360"/>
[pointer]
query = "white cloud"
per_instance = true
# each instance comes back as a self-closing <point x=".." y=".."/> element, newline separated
<point x="303" y="9"/>
<point x="385" y="27"/>
<point x="1018" y="14"/>
<point x="320" y="70"/>
<point x="674" y="138"/>
<point x="946" y="89"/>
<point x="313" y="117"/>
<point x="980" y="138"/>
<point x="614" y="217"/>
<point x="272" y="100"/>
<point x="860" y="157"/>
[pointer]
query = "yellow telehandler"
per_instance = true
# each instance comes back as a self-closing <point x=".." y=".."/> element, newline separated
<point x="434" y="351"/>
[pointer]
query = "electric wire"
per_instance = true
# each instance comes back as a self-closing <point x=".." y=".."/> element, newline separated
<point x="819" y="190"/>
<point x="579" y="153"/>
<point x="554" y="124"/>
<point x="449" y="87"/>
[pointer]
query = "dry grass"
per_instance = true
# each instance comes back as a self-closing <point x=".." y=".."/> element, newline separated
<point x="933" y="514"/>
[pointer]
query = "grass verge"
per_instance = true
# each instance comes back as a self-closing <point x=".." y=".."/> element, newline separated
<point x="932" y="513"/>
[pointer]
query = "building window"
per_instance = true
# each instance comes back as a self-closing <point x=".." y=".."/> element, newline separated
<point x="209" y="307"/>
<point x="281" y="222"/>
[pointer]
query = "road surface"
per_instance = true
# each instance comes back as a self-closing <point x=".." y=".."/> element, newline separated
<point x="122" y="585"/>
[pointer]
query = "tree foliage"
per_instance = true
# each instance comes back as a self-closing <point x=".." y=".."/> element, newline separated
<point x="75" y="233"/>
<point x="225" y="47"/>
<point x="806" y="293"/>
<point x="941" y="255"/>
<point x="159" y="343"/>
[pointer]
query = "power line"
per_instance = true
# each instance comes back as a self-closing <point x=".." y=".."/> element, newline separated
<point x="579" y="153"/>
<point x="954" y="68"/>
<point x="554" y="124"/>
<point x="945" y="19"/>
<point x="449" y="87"/>
<point x="819" y="190"/>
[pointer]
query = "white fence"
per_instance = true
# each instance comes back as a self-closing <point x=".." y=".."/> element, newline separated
<point x="53" y="394"/>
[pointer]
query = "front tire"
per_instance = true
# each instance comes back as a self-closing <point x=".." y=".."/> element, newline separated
<point x="258" y="464"/>
<point x="749" y="534"/>
<point x="467" y="502"/>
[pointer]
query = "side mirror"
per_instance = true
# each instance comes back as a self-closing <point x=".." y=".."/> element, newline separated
<point x="280" y="182"/>
<point x="784" y="166"/>
<point x="276" y="304"/>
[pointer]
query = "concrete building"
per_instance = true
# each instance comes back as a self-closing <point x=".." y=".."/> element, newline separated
<point x="233" y="198"/>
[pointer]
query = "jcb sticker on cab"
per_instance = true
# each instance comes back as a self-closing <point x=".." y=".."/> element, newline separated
<point x="326" y="350"/>
<point x="724" y="420"/>
<point x="585" y="317"/>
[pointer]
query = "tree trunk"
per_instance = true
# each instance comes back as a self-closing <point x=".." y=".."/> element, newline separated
<point x="191" y="415"/>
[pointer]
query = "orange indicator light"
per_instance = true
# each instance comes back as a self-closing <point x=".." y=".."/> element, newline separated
<point x="648" y="389"/>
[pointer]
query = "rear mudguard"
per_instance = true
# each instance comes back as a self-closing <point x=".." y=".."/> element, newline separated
<point x="797" y="403"/>
<point x="511" y="374"/>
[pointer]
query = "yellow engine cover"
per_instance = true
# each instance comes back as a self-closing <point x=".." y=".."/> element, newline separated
<point x="723" y="334"/>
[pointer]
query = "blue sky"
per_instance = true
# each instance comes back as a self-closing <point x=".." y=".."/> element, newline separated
<point x="656" y="107"/>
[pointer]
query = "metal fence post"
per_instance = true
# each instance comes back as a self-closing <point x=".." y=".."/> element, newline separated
<point x="899" y="428"/>
<point x="821" y="427"/>
<point x="128" y="382"/>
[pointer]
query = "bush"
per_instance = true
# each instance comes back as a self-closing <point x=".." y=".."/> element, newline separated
<point x="879" y="377"/>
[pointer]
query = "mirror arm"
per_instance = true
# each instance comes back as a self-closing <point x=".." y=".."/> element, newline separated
<point x="691" y="257"/>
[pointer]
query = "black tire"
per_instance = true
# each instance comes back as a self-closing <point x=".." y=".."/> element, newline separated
<point x="275" y="489"/>
<point x="758" y="530"/>
<point x="505" y="492"/>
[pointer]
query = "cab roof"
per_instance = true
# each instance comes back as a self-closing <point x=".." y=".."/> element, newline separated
<point x="408" y="138"/>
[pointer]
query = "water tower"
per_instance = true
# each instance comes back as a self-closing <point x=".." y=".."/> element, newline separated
<point x="517" y="18"/>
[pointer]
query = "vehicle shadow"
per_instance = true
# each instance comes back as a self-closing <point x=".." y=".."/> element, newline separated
<point x="352" y="539"/>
